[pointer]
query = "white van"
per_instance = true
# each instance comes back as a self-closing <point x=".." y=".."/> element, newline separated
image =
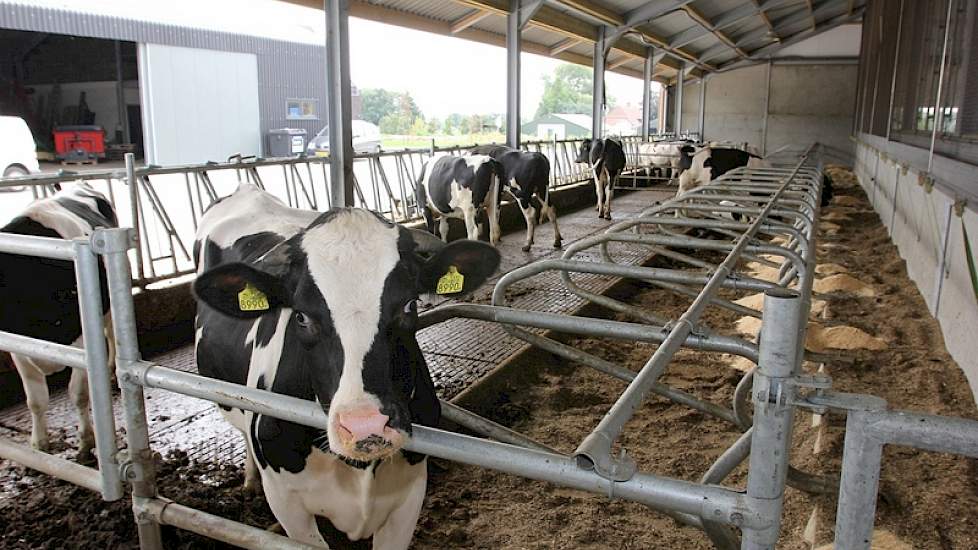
<point x="18" y="152"/>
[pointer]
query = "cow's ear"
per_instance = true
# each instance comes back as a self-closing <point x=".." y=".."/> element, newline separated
<point x="458" y="268"/>
<point x="240" y="290"/>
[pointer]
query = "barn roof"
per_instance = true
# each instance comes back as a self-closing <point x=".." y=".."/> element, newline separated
<point x="709" y="35"/>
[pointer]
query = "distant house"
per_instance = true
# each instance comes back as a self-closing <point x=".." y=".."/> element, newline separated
<point x="558" y="125"/>
<point x="624" y="120"/>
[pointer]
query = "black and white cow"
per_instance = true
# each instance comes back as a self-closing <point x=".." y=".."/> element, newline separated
<point x="460" y="187"/>
<point x="322" y="307"/>
<point x="607" y="160"/>
<point x="663" y="157"/>
<point x="525" y="174"/>
<point x="39" y="298"/>
<point x="703" y="166"/>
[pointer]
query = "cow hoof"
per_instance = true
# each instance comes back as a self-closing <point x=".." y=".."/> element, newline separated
<point x="526" y="248"/>
<point x="558" y="244"/>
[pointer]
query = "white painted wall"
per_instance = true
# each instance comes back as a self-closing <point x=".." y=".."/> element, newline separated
<point x="198" y="105"/>
<point x="842" y="41"/>
<point x="926" y="229"/>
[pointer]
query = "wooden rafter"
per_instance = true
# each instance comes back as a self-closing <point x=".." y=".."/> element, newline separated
<point x="468" y="20"/>
<point x="703" y="21"/>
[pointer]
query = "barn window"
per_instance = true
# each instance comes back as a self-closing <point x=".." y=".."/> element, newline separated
<point x="298" y="109"/>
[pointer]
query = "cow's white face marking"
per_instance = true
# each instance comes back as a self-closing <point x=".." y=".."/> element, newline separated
<point x="349" y="259"/>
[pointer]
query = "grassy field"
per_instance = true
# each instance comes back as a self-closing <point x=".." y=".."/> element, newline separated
<point x="413" y="142"/>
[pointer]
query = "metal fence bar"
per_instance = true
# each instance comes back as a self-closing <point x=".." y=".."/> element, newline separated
<point x="773" y="413"/>
<point x="99" y="375"/>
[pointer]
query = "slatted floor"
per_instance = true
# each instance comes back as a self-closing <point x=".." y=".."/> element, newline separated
<point x="459" y="351"/>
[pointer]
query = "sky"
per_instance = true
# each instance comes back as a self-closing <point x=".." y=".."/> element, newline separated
<point x="449" y="75"/>
<point x="444" y="74"/>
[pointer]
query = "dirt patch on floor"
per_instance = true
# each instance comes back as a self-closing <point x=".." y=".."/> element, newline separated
<point x="927" y="499"/>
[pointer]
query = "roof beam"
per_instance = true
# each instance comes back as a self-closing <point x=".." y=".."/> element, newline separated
<point x="600" y="13"/>
<point x="811" y="12"/>
<point x="468" y="20"/>
<point x="568" y="25"/>
<point x="781" y="26"/>
<point x="771" y="49"/>
<point x="767" y="20"/>
<point x="652" y="10"/>
<point x="381" y="14"/>
<point x="704" y="22"/>
<point x="564" y="44"/>
<point x="729" y="18"/>
<point x="618" y="62"/>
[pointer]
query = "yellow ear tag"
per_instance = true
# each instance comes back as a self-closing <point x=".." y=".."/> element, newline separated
<point x="451" y="282"/>
<point x="252" y="299"/>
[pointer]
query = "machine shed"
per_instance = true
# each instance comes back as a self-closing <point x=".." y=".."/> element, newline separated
<point x="183" y="87"/>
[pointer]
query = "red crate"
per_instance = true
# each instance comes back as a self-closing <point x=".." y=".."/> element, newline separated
<point x="87" y="139"/>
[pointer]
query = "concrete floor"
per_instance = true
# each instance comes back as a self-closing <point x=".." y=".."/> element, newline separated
<point x="459" y="351"/>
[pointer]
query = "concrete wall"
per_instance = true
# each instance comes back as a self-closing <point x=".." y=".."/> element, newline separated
<point x="928" y="230"/>
<point x="808" y="102"/>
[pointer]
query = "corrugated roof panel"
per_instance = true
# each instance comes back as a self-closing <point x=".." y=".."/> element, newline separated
<point x="670" y="24"/>
<point x="713" y="9"/>
<point x="441" y="10"/>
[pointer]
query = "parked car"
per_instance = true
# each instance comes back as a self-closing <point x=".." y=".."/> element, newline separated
<point x="18" y="152"/>
<point x="366" y="139"/>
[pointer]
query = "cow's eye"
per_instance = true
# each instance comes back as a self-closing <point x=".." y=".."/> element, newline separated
<point x="411" y="307"/>
<point x="303" y="320"/>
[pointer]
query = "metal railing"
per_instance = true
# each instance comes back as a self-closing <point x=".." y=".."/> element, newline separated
<point x="92" y="358"/>
<point x="164" y="204"/>
<point x="777" y="202"/>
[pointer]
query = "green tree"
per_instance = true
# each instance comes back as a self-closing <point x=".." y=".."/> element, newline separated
<point x="377" y="103"/>
<point x="454" y="124"/>
<point x="395" y="123"/>
<point x="434" y="125"/>
<point x="473" y="124"/>
<point x="567" y="90"/>
<point x="419" y="127"/>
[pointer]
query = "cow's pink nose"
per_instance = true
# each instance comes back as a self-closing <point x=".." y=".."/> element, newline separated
<point x="363" y="423"/>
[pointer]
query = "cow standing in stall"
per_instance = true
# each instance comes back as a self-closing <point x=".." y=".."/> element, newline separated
<point x="460" y="187"/>
<point x="701" y="167"/>
<point x="663" y="157"/>
<point x="323" y="307"/>
<point x="606" y="158"/>
<point x="39" y="298"/>
<point x="526" y="174"/>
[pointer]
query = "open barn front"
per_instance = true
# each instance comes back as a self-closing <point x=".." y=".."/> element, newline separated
<point x="79" y="95"/>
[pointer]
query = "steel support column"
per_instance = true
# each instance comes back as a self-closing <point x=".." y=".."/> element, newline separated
<point x="597" y="89"/>
<point x="340" y="103"/>
<point x="647" y="93"/>
<point x="701" y="127"/>
<point x="513" y="47"/>
<point x="773" y="413"/>
<point x="678" y="117"/>
<point x="520" y="13"/>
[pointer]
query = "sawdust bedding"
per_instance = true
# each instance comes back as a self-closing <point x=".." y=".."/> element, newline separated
<point x="926" y="499"/>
